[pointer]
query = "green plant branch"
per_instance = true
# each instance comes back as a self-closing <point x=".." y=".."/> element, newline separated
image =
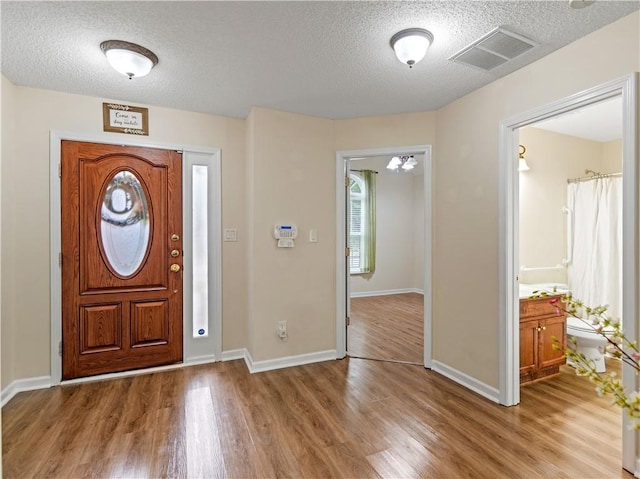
<point x="617" y="345"/>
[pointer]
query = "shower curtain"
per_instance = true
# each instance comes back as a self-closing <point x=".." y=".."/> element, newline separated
<point x="595" y="273"/>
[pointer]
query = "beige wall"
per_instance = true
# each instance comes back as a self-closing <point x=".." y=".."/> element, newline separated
<point x="612" y="157"/>
<point x="466" y="186"/>
<point x="25" y="219"/>
<point x="2" y="155"/>
<point x="385" y="131"/>
<point x="293" y="181"/>
<point x="395" y="230"/>
<point x="7" y="305"/>
<point x="553" y="158"/>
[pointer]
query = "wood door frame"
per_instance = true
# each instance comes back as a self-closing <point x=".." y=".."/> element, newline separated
<point x="194" y="350"/>
<point x="509" y="341"/>
<point x="342" y="161"/>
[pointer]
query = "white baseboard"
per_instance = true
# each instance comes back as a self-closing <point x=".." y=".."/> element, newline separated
<point x="364" y="294"/>
<point x="234" y="354"/>
<point x="209" y="358"/>
<point x="20" y="385"/>
<point x="288" y="361"/>
<point x="467" y="381"/>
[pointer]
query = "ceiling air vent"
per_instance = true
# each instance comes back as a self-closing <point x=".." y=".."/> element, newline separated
<point x="494" y="49"/>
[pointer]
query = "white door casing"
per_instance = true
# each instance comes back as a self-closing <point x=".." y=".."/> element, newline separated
<point x="342" y="165"/>
<point x="509" y="340"/>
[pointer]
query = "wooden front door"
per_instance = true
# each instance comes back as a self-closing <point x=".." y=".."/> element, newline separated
<point x="121" y="258"/>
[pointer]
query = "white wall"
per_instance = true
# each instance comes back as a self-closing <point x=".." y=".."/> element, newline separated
<point x="397" y="225"/>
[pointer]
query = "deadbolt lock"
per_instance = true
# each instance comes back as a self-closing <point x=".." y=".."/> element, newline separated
<point x="175" y="237"/>
<point x="175" y="268"/>
<point x="175" y="253"/>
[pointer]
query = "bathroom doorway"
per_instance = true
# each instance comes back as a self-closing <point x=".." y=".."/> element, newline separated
<point x="513" y="133"/>
<point x="570" y="226"/>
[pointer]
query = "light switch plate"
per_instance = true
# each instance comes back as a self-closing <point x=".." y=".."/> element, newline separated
<point x="230" y="234"/>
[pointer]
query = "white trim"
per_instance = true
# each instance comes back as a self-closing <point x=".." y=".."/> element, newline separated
<point x="203" y="347"/>
<point x="55" y="231"/>
<point x="21" y="385"/>
<point x="465" y="380"/>
<point x="195" y="360"/>
<point x="342" y="163"/>
<point x="509" y="380"/>
<point x="366" y="294"/>
<point x="289" y="361"/>
<point x="233" y="354"/>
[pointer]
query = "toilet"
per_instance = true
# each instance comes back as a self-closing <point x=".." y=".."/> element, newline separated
<point x="589" y="343"/>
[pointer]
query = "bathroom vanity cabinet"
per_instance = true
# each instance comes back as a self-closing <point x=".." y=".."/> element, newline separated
<point x="539" y="324"/>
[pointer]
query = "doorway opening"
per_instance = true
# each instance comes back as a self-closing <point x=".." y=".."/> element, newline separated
<point x="510" y="239"/>
<point x="379" y="311"/>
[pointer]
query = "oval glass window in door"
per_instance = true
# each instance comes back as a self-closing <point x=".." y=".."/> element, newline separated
<point x="125" y="225"/>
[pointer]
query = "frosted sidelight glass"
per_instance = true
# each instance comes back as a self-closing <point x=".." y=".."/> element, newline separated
<point x="200" y="251"/>
<point x="125" y="223"/>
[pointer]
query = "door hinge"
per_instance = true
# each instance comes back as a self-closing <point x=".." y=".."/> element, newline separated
<point x="347" y="252"/>
<point x="60" y="348"/>
<point x="346" y="181"/>
<point x="59" y="170"/>
<point x="60" y="259"/>
<point x="348" y="320"/>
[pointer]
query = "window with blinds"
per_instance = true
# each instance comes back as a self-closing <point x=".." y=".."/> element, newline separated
<point x="356" y="224"/>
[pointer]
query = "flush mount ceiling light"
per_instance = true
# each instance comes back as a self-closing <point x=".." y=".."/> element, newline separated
<point x="128" y="58"/>
<point x="406" y="163"/>
<point x="411" y="45"/>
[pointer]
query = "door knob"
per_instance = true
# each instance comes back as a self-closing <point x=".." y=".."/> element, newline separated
<point x="175" y="253"/>
<point x="175" y="267"/>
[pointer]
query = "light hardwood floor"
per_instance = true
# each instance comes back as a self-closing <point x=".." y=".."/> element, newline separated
<point x="387" y="327"/>
<point x="351" y="418"/>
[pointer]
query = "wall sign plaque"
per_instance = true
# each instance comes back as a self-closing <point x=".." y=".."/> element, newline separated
<point x="131" y="120"/>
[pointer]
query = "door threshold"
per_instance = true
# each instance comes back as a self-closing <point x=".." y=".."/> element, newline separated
<point x="397" y="361"/>
<point x="123" y="374"/>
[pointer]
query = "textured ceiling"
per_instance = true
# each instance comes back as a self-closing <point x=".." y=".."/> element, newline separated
<point x="329" y="59"/>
